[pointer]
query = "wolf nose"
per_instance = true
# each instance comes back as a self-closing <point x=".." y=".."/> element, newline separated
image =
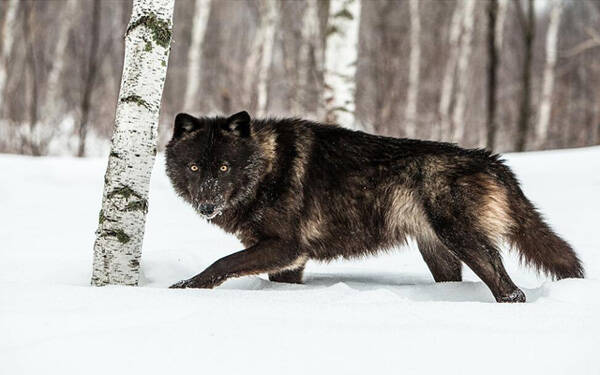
<point x="207" y="209"/>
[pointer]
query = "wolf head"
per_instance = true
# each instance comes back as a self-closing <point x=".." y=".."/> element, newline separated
<point x="214" y="163"/>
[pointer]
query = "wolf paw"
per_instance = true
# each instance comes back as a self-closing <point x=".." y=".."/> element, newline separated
<point x="516" y="296"/>
<point x="181" y="285"/>
<point x="199" y="283"/>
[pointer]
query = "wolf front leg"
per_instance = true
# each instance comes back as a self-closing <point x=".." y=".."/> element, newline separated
<point x="269" y="256"/>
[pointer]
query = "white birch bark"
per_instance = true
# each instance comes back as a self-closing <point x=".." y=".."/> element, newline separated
<point x="269" y="15"/>
<point x="463" y="68"/>
<point x="8" y="36"/>
<point x="341" y="53"/>
<point x="50" y="109"/>
<point x="255" y="60"/>
<point x="413" y="70"/>
<point x="548" y="82"/>
<point x="194" y="58"/>
<point x="311" y="41"/>
<point x="117" y="249"/>
<point x="448" y="80"/>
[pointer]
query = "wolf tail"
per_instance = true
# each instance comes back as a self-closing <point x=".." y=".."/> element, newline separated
<point x="536" y="242"/>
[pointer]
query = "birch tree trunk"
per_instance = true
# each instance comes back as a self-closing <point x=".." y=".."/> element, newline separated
<point x="269" y="16"/>
<point x="499" y="29"/>
<point x="413" y="70"/>
<point x="8" y="36"/>
<point x="548" y="83"/>
<point x="463" y="70"/>
<point x="261" y="55"/>
<point x="117" y="249"/>
<point x="448" y="80"/>
<point x="89" y="80"/>
<point x="30" y="140"/>
<point x="311" y="46"/>
<point x="341" y="54"/>
<point x="52" y="106"/>
<point x="194" y="58"/>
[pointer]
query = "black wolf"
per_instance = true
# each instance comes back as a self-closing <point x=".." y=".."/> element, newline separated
<point x="293" y="190"/>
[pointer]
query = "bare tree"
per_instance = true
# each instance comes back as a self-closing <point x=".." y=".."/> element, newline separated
<point x="268" y="22"/>
<point x="492" y="75"/>
<point x="260" y="57"/>
<point x="311" y="50"/>
<point x="117" y="249"/>
<point x="448" y="80"/>
<point x="29" y="139"/>
<point x="89" y="78"/>
<point x="194" y="57"/>
<point x="592" y="42"/>
<point x="52" y="101"/>
<point x="527" y="23"/>
<point x="413" y="69"/>
<point x="8" y="35"/>
<point x="463" y="71"/>
<point x="340" y="62"/>
<point x="490" y="130"/>
<point x="502" y="7"/>
<point x="548" y="82"/>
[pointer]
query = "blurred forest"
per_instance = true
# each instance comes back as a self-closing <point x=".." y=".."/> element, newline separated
<point x="510" y="75"/>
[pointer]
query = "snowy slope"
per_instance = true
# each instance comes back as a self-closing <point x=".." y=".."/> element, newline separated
<point x="378" y="315"/>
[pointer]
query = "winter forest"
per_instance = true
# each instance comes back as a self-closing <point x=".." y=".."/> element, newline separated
<point x="503" y="74"/>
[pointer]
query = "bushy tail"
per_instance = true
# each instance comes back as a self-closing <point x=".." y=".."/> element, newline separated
<point x="537" y="243"/>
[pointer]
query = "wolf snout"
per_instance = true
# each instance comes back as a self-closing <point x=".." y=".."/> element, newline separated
<point x="206" y="209"/>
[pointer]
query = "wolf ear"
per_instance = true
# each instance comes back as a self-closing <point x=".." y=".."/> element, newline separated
<point x="184" y="124"/>
<point x="239" y="124"/>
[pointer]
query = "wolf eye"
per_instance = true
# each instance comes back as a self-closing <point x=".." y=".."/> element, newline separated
<point x="194" y="168"/>
<point x="223" y="168"/>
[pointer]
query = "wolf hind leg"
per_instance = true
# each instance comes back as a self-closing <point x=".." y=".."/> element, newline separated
<point x="292" y="274"/>
<point x="289" y="276"/>
<point x="482" y="256"/>
<point x="444" y="266"/>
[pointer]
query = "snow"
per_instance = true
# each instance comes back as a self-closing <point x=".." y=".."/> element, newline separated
<point x="375" y="315"/>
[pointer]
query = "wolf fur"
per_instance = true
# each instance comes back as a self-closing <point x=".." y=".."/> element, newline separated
<point x="293" y="190"/>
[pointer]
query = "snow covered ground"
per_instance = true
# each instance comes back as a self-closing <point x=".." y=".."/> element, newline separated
<point x="370" y="316"/>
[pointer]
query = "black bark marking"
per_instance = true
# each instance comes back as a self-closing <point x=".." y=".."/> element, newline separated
<point x="121" y="236"/>
<point x="141" y="205"/>
<point x="126" y="192"/>
<point x="161" y="30"/>
<point x="137" y="100"/>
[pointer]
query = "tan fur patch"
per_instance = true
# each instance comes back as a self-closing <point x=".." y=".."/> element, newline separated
<point x="494" y="216"/>
<point x="298" y="263"/>
<point x="310" y="229"/>
<point x="267" y="141"/>
<point x="303" y="145"/>
<point x="406" y="217"/>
